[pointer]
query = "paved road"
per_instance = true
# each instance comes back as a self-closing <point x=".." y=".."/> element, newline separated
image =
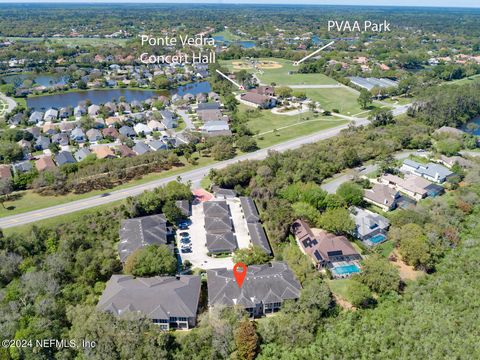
<point x="186" y="119"/>
<point x="11" y="104"/>
<point x="195" y="176"/>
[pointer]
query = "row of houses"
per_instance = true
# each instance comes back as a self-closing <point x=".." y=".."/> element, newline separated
<point x="172" y="302"/>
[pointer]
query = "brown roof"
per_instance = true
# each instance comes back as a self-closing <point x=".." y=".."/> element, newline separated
<point x="264" y="90"/>
<point x="255" y="98"/>
<point x="125" y="151"/>
<point x="103" y="152"/>
<point x="110" y="131"/>
<point x="44" y="163"/>
<point x="320" y="244"/>
<point x="381" y="194"/>
<point x="5" y="172"/>
<point x="210" y="115"/>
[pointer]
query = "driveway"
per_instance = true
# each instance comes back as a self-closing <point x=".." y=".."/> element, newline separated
<point x="186" y="119"/>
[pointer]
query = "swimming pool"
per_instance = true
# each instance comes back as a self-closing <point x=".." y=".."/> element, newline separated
<point x="346" y="269"/>
<point x="378" y="238"/>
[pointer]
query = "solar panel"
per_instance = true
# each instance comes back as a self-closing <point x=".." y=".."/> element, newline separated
<point x="317" y="255"/>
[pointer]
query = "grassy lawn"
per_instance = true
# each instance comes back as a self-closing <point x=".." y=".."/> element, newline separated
<point x="282" y="76"/>
<point x="340" y="287"/>
<point x="58" y="220"/>
<point x="341" y="99"/>
<point x="385" y="249"/>
<point x="464" y="81"/>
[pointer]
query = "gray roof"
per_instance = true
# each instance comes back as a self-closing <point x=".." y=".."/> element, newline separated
<point x="184" y="206"/>
<point x="431" y="170"/>
<point x="141" y="148"/>
<point x="82" y="154"/>
<point x="258" y="237"/>
<point x="157" y="145"/>
<point x="267" y="283"/>
<point x="223" y="242"/>
<point x="221" y="191"/>
<point x="249" y="209"/>
<point x="208" y="106"/>
<point x="64" y="157"/>
<point x="216" y="208"/>
<point x="126" y="131"/>
<point x="156" y="297"/>
<point x="139" y="232"/>
<point x="370" y="83"/>
<point x="218" y="224"/>
<point x="367" y="222"/>
<point x="22" y="166"/>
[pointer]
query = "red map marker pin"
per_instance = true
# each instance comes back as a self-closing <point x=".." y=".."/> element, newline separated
<point x="240" y="271"/>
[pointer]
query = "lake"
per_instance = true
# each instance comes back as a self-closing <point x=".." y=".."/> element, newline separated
<point x="247" y="44"/>
<point x="102" y="96"/>
<point x="39" y="79"/>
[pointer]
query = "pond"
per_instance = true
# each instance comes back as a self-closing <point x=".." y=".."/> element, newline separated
<point x="247" y="44"/>
<point x="47" y="80"/>
<point x="101" y="96"/>
<point x="473" y="126"/>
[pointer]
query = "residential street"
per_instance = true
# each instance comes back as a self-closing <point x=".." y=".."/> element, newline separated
<point x="195" y="176"/>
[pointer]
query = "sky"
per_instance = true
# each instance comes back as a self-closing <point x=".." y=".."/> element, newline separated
<point x="436" y="3"/>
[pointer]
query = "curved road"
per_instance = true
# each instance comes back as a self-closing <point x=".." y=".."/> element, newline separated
<point x="195" y="176"/>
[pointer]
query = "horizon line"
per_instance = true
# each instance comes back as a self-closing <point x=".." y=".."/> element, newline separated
<point x="230" y="3"/>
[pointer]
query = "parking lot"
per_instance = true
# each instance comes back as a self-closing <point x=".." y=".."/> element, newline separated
<point x="198" y="256"/>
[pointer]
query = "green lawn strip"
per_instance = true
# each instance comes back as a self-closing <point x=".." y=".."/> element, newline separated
<point x="340" y="287"/>
<point x="464" y="81"/>
<point x="385" y="249"/>
<point x="286" y="75"/>
<point x="58" y="220"/>
<point x="297" y="131"/>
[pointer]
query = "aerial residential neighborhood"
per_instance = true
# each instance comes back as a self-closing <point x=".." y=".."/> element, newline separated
<point x="239" y="180"/>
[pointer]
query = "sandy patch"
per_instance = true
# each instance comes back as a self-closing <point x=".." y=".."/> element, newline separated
<point x="344" y="304"/>
<point x="267" y="64"/>
<point x="407" y="272"/>
<point x="241" y="65"/>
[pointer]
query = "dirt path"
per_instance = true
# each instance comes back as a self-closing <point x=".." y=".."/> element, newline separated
<point x="407" y="272"/>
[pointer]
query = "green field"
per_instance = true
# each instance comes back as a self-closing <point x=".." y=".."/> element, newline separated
<point x="340" y="287"/>
<point x="281" y="75"/>
<point x="464" y="81"/>
<point x="227" y="35"/>
<point x="341" y="99"/>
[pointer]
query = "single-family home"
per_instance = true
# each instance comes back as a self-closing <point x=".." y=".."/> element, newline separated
<point x="431" y="171"/>
<point x="125" y="151"/>
<point x="142" y="129"/>
<point x="79" y="111"/>
<point x="93" y="110"/>
<point x="35" y="117"/>
<point x="411" y="185"/>
<point x="65" y="112"/>
<point x="370" y="227"/>
<point x="103" y="152"/>
<point x="64" y="157"/>
<point x="258" y="100"/>
<point x="264" y="290"/>
<point x="213" y="96"/>
<point x="209" y="115"/>
<point x="450" y="161"/>
<point x="326" y="250"/>
<point x="67" y="126"/>
<point x="141" y="148"/>
<point x="155" y="125"/>
<point x="208" y="106"/>
<point x="168" y="119"/>
<point x="216" y="128"/>
<point x="157" y="145"/>
<point x="222" y="193"/>
<point x="61" y="139"/>
<point x="94" y="135"/>
<point x="171" y="302"/>
<point x="24" y="144"/>
<point x="82" y="153"/>
<point x="45" y="163"/>
<point x="5" y="172"/>
<point x="139" y="232"/>
<point x="382" y="196"/>
<point x="77" y="135"/>
<point x="110" y="133"/>
<point x="22" y="166"/>
<point x="127" y="131"/>
<point x="42" y="143"/>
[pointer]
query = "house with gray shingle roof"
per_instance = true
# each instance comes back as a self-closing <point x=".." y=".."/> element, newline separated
<point x="249" y="210"/>
<point x="139" y="232"/>
<point x="94" y="135"/>
<point x="259" y="237"/>
<point x="168" y="301"/>
<point x="36" y="117"/>
<point x="42" y="142"/>
<point x="431" y="171"/>
<point x="82" y="153"/>
<point x="77" y="134"/>
<point x="369" y="225"/>
<point x="51" y="115"/>
<point x="64" y="157"/>
<point x="141" y="148"/>
<point x="126" y="131"/>
<point x="225" y="242"/>
<point x="382" y="196"/>
<point x="264" y="290"/>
